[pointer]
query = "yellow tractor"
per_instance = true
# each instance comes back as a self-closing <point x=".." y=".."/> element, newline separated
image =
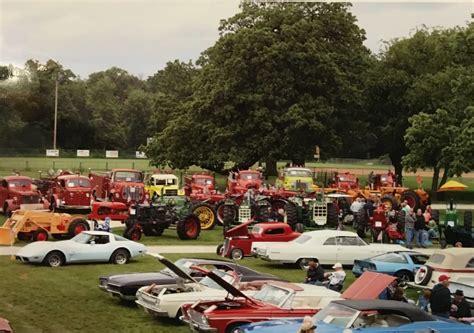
<point x="37" y="226"/>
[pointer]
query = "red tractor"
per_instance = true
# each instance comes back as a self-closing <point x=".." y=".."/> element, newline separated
<point x="121" y="185"/>
<point x="240" y="182"/>
<point x="16" y="191"/>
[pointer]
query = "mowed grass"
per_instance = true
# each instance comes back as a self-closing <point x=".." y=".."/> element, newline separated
<point x="67" y="299"/>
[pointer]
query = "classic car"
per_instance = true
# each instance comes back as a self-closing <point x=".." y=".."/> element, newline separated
<point x="238" y="240"/>
<point x="402" y="264"/>
<point x="377" y="316"/>
<point x="274" y="300"/>
<point x="328" y="246"/>
<point x="125" y="286"/>
<point x="166" y="300"/>
<point x="88" y="246"/>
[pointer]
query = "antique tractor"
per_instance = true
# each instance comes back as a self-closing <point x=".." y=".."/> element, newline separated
<point x="451" y="228"/>
<point x="153" y="219"/>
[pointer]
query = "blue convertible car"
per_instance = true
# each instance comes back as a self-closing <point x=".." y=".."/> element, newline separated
<point x="402" y="264"/>
<point x="372" y="316"/>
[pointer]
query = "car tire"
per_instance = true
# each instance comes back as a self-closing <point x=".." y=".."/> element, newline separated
<point x="303" y="263"/>
<point x="120" y="257"/>
<point x="236" y="254"/>
<point x="220" y="249"/>
<point x="40" y="235"/>
<point x="404" y="277"/>
<point x="234" y="328"/>
<point x="423" y="275"/>
<point x="54" y="259"/>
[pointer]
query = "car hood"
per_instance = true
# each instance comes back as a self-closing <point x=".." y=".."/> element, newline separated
<point x="272" y="326"/>
<point x="369" y="286"/>
<point x="227" y="286"/>
<point x="175" y="269"/>
<point x="141" y="279"/>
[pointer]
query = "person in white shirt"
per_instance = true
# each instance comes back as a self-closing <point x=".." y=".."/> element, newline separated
<point x="336" y="278"/>
<point x="356" y="205"/>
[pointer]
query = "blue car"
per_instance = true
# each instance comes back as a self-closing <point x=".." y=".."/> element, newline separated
<point x="371" y="316"/>
<point x="402" y="264"/>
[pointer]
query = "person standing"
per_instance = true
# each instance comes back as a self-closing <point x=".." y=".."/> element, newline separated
<point x="410" y="228"/>
<point x="460" y="307"/>
<point x="440" y="300"/>
<point x="371" y="180"/>
<point x="419" y="228"/>
<point x="315" y="273"/>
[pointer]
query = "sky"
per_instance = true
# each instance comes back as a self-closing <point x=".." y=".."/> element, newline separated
<point x="140" y="36"/>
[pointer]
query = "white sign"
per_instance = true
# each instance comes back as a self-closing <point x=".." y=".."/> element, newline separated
<point x="52" y="152"/>
<point x="149" y="140"/>
<point x="140" y="154"/>
<point x="111" y="153"/>
<point x="82" y="153"/>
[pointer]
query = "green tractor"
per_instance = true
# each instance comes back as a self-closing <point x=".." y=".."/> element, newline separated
<point x="451" y="231"/>
<point x="242" y="209"/>
<point x="311" y="212"/>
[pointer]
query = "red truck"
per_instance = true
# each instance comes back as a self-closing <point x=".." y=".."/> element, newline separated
<point x="239" y="182"/>
<point x="120" y="185"/>
<point x="18" y="190"/>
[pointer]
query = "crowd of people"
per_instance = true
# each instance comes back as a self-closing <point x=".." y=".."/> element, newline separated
<point x="332" y="280"/>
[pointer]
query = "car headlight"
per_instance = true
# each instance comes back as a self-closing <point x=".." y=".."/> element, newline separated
<point x="204" y="321"/>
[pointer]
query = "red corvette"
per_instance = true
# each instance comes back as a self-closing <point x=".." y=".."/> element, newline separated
<point x="273" y="301"/>
<point x="239" y="240"/>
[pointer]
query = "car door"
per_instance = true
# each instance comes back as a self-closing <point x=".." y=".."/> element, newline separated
<point x="98" y="248"/>
<point x="327" y="254"/>
<point x="350" y="248"/>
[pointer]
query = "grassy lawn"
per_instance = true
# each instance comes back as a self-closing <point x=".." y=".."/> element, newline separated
<point x="67" y="299"/>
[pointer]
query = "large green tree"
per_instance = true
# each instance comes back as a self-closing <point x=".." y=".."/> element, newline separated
<point x="280" y="79"/>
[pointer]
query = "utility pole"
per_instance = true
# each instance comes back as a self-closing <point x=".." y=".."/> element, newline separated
<point x="55" y="113"/>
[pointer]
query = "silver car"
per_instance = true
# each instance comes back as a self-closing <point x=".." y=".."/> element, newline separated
<point x="88" y="246"/>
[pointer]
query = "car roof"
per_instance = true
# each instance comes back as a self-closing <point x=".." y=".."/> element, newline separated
<point x="97" y="233"/>
<point x="72" y="176"/>
<point x="164" y="176"/>
<point x="16" y="178"/>
<point x="408" y="310"/>
<point x="126" y="170"/>
<point x="455" y="257"/>
<point x="297" y="168"/>
<point x="330" y="233"/>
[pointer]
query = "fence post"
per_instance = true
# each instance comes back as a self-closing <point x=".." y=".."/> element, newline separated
<point x="80" y="167"/>
<point x="54" y="165"/>
<point x="106" y="166"/>
<point x="133" y="165"/>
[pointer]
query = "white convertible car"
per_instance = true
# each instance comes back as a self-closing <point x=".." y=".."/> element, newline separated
<point x="328" y="246"/>
<point x="88" y="246"/>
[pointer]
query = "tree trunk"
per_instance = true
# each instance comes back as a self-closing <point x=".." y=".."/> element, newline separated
<point x="445" y="176"/>
<point x="434" y="183"/>
<point x="270" y="168"/>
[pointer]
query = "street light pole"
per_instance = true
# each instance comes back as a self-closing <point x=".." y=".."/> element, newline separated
<point x="55" y="113"/>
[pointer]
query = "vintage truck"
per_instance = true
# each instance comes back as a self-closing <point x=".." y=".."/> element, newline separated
<point x="162" y="184"/>
<point x="120" y="185"/>
<point x="16" y="191"/>
<point x="240" y="182"/>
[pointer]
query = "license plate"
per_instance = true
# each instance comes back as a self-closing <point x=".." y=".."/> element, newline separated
<point x="378" y="224"/>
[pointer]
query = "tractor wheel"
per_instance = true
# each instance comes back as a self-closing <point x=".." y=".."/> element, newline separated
<point x="40" y="235"/>
<point x="220" y="249"/>
<point x="77" y="226"/>
<point x="189" y="227"/>
<point x="299" y="227"/>
<point x="24" y="236"/>
<point x="156" y="231"/>
<point x="332" y="218"/>
<point x="206" y="215"/>
<point x="361" y="218"/>
<point x="133" y="233"/>
<point x="220" y="213"/>
<point x="389" y="201"/>
<point x="229" y="215"/>
<point x="236" y="254"/>
<point x="263" y="212"/>
<point x="277" y="204"/>
<point x="54" y="259"/>
<point x="411" y="198"/>
<point x="435" y="215"/>
<point x="120" y="257"/>
<point x="291" y="215"/>
<point x="468" y="221"/>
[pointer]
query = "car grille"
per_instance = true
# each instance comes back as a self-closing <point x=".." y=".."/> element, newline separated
<point x="171" y="192"/>
<point x="29" y="199"/>
<point x="197" y="317"/>
<point x="134" y="192"/>
<point x="147" y="299"/>
<point x="113" y="288"/>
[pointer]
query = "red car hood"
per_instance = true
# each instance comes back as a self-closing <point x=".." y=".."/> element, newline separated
<point x="369" y="286"/>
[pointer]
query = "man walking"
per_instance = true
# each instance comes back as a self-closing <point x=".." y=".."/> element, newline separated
<point x="440" y="300"/>
<point x="410" y="228"/>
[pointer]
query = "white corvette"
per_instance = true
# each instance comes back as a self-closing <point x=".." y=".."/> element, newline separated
<point x="328" y="246"/>
<point x="88" y="246"/>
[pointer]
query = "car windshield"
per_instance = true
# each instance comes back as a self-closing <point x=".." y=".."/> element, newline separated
<point x="249" y="176"/>
<point x="302" y="239"/>
<point x="182" y="264"/>
<point x="391" y="257"/>
<point x="19" y="183"/>
<point x="299" y="173"/>
<point x="78" y="182"/>
<point x="272" y="294"/>
<point x="436" y="258"/>
<point x="337" y="315"/>
<point x="208" y="282"/>
<point x="82" y="238"/>
<point x="128" y="176"/>
<point x="257" y="229"/>
<point x="203" y="181"/>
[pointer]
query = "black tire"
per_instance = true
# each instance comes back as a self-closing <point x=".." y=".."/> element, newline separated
<point x="263" y="211"/>
<point x="404" y="277"/>
<point x="40" y="235"/>
<point x="76" y="226"/>
<point x="291" y="215"/>
<point x="132" y="233"/>
<point x="230" y="213"/>
<point x="220" y="213"/>
<point x="219" y="249"/>
<point x="302" y="263"/>
<point x="435" y="215"/>
<point x="361" y="218"/>
<point x="299" y="227"/>
<point x="389" y="201"/>
<point x="120" y="257"/>
<point x="412" y="198"/>
<point x="24" y="236"/>
<point x="423" y="275"/>
<point x="236" y="254"/>
<point x="277" y="204"/>
<point x="157" y="231"/>
<point x="332" y="215"/>
<point x="468" y="221"/>
<point x="234" y="328"/>
<point x="206" y="215"/>
<point x="54" y="259"/>
<point x="189" y="227"/>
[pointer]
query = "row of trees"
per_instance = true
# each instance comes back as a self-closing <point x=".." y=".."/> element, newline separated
<point x="280" y="79"/>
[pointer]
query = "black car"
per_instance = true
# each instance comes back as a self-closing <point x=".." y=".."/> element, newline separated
<point x="125" y="286"/>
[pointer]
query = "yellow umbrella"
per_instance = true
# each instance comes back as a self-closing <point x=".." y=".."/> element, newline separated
<point x="452" y="185"/>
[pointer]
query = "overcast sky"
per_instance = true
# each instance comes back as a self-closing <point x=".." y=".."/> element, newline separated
<point x="142" y="35"/>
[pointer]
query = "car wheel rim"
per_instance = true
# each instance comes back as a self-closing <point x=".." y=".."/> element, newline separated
<point x="120" y="259"/>
<point x="54" y="261"/>
<point x="237" y="255"/>
<point x="191" y="229"/>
